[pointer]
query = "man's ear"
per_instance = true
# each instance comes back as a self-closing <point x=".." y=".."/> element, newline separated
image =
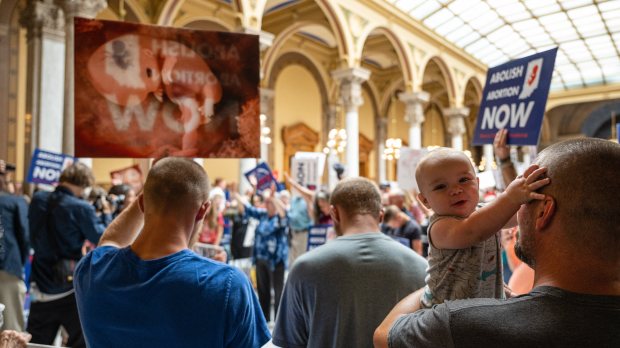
<point x="204" y="209"/>
<point x="334" y="213"/>
<point x="141" y="202"/>
<point x="545" y="212"/>
<point x="424" y="201"/>
<point x="381" y="215"/>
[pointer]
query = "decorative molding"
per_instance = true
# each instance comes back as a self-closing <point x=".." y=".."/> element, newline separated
<point x="81" y="8"/>
<point x="456" y="120"/>
<point x="41" y="17"/>
<point x="351" y="80"/>
<point x="414" y="106"/>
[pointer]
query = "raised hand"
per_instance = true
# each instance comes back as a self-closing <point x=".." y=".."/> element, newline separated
<point x="523" y="188"/>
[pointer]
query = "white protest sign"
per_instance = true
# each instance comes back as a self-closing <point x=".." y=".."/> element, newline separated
<point x="307" y="168"/>
<point x="408" y="161"/>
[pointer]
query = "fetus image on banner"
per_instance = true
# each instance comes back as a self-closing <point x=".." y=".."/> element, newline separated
<point x="161" y="91"/>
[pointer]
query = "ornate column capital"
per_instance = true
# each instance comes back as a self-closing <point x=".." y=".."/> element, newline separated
<point x="81" y="8"/>
<point x="414" y="106"/>
<point x="456" y="120"/>
<point x="351" y="80"/>
<point x="43" y="16"/>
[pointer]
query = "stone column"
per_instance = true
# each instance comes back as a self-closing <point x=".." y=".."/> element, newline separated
<point x="72" y="9"/>
<point x="456" y="125"/>
<point x="351" y="80"/>
<point x="414" y="114"/>
<point x="380" y="135"/>
<point x="45" y="24"/>
<point x="332" y="157"/>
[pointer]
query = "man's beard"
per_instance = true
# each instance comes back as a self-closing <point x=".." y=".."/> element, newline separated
<point x="524" y="251"/>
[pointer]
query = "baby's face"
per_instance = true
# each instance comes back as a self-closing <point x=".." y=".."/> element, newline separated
<point x="449" y="186"/>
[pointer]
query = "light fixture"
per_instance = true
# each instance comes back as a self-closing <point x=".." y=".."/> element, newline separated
<point x="337" y="141"/>
<point x="392" y="145"/>
<point x="392" y="149"/>
<point x="264" y="130"/>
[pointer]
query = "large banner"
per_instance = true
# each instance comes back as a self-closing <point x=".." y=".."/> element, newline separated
<point x="261" y="176"/>
<point x="307" y="169"/>
<point x="514" y="97"/>
<point x="148" y="91"/>
<point x="408" y="161"/>
<point x="131" y="176"/>
<point x="46" y="167"/>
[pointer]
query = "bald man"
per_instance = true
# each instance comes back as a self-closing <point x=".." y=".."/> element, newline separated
<point x="145" y="288"/>
<point x="571" y="240"/>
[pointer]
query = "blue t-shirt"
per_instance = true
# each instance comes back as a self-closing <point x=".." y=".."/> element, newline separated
<point x="181" y="300"/>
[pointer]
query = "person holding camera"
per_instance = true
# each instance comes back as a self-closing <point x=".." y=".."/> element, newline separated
<point x="14" y="248"/>
<point x="60" y="222"/>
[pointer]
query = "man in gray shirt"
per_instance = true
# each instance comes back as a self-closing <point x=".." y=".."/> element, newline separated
<point x="337" y="294"/>
<point x="575" y="301"/>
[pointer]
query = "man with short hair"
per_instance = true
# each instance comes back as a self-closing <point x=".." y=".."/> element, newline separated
<point x="60" y="222"/>
<point x="336" y="294"/>
<point x="574" y="303"/>
<point x="401" y="226"/>
<point x="145" y="288"/>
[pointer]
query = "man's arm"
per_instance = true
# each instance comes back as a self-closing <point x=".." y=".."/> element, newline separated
<point x="125" y="228"/>
<point x="407" y="305"/>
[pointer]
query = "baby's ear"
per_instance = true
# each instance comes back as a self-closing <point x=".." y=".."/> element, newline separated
<point x="424" y="201"/>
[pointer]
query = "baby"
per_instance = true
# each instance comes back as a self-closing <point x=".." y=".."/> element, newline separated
<point x="464" y="256"/>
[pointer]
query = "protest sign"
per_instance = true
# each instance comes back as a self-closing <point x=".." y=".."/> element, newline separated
<point x="131" y="176"/>
<point x="307" y="169"/>
<point x="261" y="176"/>
<point x="149" y="91"/>
<point x="408" y="161"/>
<point x="319" y="235"/>
<point x="45" y="167"/>
<point x="514" y="97"/>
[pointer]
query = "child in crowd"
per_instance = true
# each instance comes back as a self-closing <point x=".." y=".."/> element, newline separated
<point x="464" y="257"/>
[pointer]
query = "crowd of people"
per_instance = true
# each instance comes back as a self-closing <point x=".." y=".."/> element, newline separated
<point x="537" y="266"/>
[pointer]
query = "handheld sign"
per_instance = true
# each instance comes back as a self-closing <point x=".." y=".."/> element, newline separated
<point x="514" y="97"/>
<point x="307" y="168"/>
<point x="45" y="167"/>
<point x="408" y="161"/>
<point x="263" y="176"/>
<point x="150" y="91"/>
<point x="319" y="235"/>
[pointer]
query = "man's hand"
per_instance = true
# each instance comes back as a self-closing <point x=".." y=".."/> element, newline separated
<point x="14" y="339"/>
<point x="502" y="151"/>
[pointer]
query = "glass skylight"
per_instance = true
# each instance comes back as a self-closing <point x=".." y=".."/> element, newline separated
<point x="495" y="31"/>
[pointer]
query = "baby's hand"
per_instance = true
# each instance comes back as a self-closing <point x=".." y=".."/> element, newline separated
<point x="522" y="189"/>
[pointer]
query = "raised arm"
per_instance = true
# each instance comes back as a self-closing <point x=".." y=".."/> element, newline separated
<point x="485" y="222"/>
<point x="306" y="193"/>
<point x="125" y="228"/>
<point x="502" y="152"/>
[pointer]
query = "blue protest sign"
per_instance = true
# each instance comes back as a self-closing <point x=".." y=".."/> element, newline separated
<point x="514" y="97"/>
<point x="319" y="235"/>
<point x="262" y="174"/>
<point x="45" y="166"/>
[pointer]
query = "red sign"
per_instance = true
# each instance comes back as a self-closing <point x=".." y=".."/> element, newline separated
<point x="148" y="91"/>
